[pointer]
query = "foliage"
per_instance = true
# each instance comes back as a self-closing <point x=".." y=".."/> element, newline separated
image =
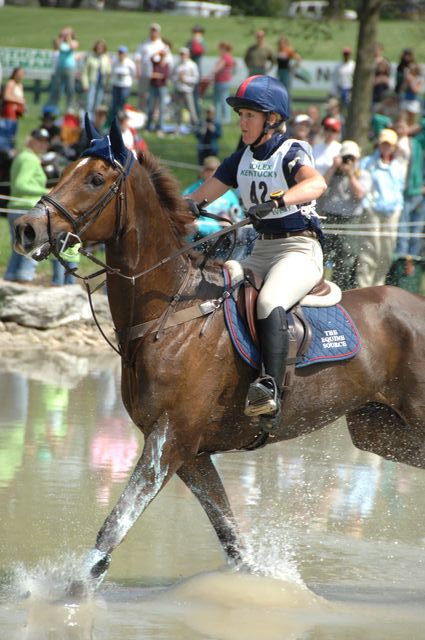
<point x="257" y="7"/>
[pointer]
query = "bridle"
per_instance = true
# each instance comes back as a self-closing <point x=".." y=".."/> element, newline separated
<point x="80" y="225"/>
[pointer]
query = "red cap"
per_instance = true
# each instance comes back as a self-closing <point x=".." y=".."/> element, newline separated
<point x="332" y="123"/>
<point x="346" y="50"/>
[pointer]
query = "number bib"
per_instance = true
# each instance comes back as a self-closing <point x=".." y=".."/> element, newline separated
<point x="257" y="179"/>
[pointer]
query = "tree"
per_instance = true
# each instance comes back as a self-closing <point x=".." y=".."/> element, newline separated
<point x="358" y="119"/>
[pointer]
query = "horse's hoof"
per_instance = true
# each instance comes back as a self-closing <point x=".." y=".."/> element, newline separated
<point x="93" y="571"/>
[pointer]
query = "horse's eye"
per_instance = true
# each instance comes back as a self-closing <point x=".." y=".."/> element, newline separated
<point x="97" y="180"/>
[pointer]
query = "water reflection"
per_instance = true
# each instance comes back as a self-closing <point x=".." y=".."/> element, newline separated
<point x="314" y="511"/>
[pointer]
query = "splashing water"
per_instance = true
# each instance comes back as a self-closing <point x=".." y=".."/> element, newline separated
<point x="50" y="580"/>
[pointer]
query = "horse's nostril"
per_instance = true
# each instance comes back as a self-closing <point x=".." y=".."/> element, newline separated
<point x="28" y="234"/>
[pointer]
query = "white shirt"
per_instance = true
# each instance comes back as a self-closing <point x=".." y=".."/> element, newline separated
<point x="146" y="50"/>
<point x="123" y="72"/>
<point x="185" y="76"/>
<point x="324" y="154"/>
<point x="344" y="75"/>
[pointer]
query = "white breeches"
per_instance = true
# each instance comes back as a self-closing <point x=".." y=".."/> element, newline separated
<point x="290" y="267"/>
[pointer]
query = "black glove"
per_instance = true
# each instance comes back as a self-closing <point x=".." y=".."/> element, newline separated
<point x="260" y="211"/>
<point x="195" y="208"/>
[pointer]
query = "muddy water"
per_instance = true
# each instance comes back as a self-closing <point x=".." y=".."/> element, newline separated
<point x="337" y="535"/>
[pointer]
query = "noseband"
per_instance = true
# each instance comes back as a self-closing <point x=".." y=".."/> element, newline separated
<point x="81" y="224"/>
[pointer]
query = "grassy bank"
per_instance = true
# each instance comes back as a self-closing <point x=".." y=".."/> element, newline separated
<point x="36" y="27"/>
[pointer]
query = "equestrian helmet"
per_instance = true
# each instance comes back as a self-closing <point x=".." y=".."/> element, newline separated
<point x="261" y="93"/>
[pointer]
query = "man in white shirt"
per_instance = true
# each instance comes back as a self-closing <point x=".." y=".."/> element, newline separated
<point x="185" y="77"/>
<point x="344" y="74"/>
<point x="143" y="58"/>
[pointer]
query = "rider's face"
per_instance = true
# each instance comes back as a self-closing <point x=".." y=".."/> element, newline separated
<point x="251" y="124"/>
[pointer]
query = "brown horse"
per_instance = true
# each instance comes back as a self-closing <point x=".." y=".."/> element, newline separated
<point x="182" y="383"/>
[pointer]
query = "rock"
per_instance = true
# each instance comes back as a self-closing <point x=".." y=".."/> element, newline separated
<point x="53" y="318"/>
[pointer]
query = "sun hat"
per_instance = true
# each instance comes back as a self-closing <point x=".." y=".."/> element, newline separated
<point x="388" y="135"/>
<point x="349" y="148"/>
<point x="302" y="118"/>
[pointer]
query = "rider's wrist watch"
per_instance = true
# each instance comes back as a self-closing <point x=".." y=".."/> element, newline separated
<point x="277" y="196"/>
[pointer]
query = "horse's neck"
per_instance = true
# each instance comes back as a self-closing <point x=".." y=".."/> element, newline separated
<point x="137" y="298"/>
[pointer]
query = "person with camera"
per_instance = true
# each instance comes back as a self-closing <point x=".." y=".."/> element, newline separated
<point x="342" y="206"/>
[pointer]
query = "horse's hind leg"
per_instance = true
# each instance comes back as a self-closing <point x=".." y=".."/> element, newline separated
<point x="202" y="478"/>
<point x="378" y="429"/>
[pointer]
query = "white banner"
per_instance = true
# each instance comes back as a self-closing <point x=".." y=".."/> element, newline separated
<point x="39" y="63"/>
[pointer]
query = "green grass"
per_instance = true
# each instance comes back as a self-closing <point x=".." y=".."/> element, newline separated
<point x="36" y="27"/>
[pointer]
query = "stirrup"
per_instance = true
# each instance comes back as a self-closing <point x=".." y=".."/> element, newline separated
<point x="263" y="398"/>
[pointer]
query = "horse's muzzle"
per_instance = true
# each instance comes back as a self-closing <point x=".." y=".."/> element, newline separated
<point x="31" y="236"/>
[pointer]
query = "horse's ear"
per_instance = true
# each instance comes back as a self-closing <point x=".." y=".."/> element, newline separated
<point x="91" y="131"/>
<point x="117" y="143"/>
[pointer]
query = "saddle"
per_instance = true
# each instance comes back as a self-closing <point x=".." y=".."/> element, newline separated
<point x="247" y="285"/>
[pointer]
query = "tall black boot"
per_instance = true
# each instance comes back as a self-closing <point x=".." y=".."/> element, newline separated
<point x="264" y="393"/>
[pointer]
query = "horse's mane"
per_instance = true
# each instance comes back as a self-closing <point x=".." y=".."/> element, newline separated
<point x="167" y="189"/>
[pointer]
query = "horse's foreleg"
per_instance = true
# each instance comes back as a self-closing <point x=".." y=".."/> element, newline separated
<point x="201" y="476"/>
<point x="160" y="459"/>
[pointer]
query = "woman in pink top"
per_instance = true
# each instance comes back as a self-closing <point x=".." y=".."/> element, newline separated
<point x="222" y="74"/>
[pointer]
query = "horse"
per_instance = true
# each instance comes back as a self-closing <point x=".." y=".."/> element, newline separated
<point x="183" y="384"/>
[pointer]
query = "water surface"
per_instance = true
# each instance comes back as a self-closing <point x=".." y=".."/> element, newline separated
<point x="336" y="534"/>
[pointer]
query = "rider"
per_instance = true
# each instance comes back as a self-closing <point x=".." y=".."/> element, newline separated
<point x="287" y="253"/>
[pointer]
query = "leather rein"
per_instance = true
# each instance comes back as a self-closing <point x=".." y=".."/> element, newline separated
<point x="170" y="317"/>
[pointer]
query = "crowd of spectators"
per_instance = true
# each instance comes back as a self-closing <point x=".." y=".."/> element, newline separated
<point x="374" y="208"/>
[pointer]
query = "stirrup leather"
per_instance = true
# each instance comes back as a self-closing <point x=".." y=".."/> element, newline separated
<point x="263" y="397"/>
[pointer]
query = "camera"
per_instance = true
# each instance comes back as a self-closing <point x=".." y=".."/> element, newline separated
<point x="347" y="159"/>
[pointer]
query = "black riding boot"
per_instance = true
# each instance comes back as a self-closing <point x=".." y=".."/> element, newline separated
<point x="264" y="393"/>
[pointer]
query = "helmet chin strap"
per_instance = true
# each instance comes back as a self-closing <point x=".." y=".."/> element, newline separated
<point x="266" y="128"/>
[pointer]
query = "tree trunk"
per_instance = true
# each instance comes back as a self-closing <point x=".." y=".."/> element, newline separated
<point x="359" y="110"/>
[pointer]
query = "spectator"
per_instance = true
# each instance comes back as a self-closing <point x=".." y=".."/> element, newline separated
<point x="382" y="207"/>
<point x="197" y="48"/>
<point x="49" y="113"/>
<point x="259" y="57"/>
<point x="95" y="76"/>
<point x="325" y="152"/>
<point x="185" y="76"/>
<point x="287" y="62"/>
<point x="146" y="50"/>
<point x="27" y="184"/>
<point x="63" y="77"/>
<point x="129" y="134"/>
<point x="301" y="127"/>
<point x="13" y="99"/>
<point x="411" y="89"/>
<point x="122" y="77"/>
<point x="342" y="204"/>
<point x="406" y="59"/>
<point x="412" y="217"/>
<point x="313" y="112"/>
<point x="381" y="74"/>
<point x="158" y="91"/>
<point x="208" y="134"/>
<point x="343" y="80"/>
<point x="62" y="276"/>
<point x="223" y="73"/>
<point x="333" y="110"/>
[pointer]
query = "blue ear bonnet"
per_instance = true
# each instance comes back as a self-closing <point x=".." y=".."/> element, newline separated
<point x="110" y="147"/>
